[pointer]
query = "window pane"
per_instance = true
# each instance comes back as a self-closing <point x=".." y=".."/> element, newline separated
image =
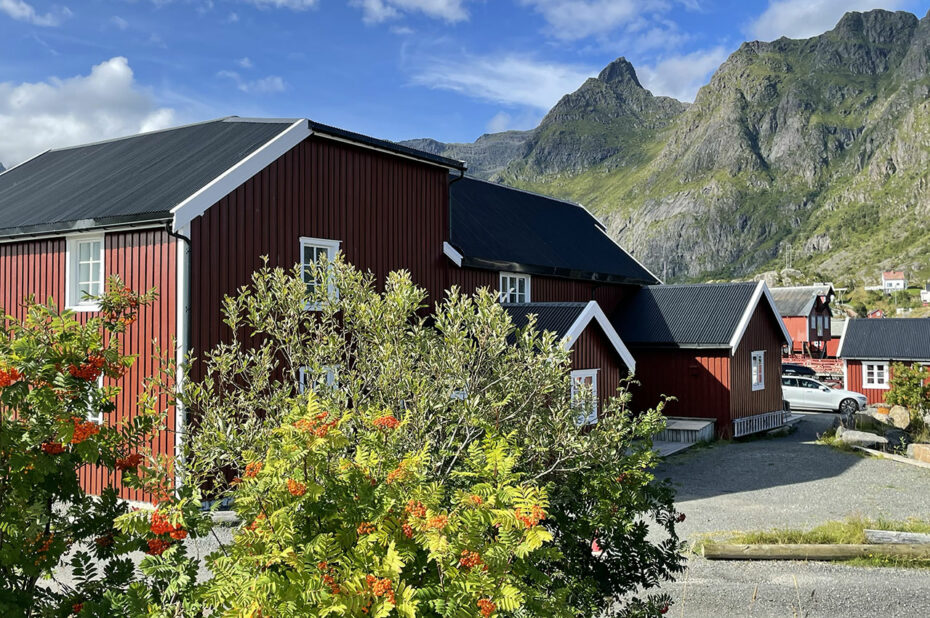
<point x="95" y="272"/>
<point x="83" y="272"/>
<point x="84" y="250"/>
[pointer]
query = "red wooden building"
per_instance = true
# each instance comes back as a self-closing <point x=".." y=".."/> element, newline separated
<point x="715" y="347"/>
<point x="807" y="316"/>
<point x="191" y="210"/>
<point x="869" y="349"/>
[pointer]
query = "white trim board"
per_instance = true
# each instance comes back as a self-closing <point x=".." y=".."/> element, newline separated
<point x="762" y="290"/>
<point x="839" y="350"/>
<point x="228" y="181"/>
<point x="451" y="253"/>
<point x="593" y="311"/>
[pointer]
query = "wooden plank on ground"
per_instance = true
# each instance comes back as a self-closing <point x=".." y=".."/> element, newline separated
<point x="727" y="551"/>
<point x="892" y="536"/>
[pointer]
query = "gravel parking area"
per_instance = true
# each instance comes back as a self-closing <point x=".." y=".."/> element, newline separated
<point x="793" y="482"/>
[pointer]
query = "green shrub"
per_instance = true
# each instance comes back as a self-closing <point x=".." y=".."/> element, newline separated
<point x="909" y="388"/>
<point x="460" y="379"/>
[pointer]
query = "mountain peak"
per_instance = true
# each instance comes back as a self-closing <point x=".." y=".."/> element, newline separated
<point x="619" y="71"/>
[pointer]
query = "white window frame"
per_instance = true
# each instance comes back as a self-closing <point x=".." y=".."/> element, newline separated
<point x="74" y="300"/>
<point x="332" y="248"/>
<point x="878" y="367"/>
<point x="587" y="417"/>
<point x="505" y="289"/>
<point x="330" y="379"/>
<point x="96" y="418"/>
<point x="757" y="360"/>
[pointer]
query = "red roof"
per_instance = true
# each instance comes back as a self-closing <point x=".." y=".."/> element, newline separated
<point x="893" y="274"/>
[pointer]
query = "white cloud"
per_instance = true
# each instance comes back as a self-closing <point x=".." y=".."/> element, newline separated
<point x="801" y="19"/>
<point x="245" y="63"/>
<point x="22" y="11"/>
<point x="377" y="11"/>
<point x="119" y="22"/>
<point x="402" y="30"/>
<point x="510" y="79"/>
<point x="683" y="75"/>
<point x="577" y="19"/>
<point x="62" y="112"/>
<point x="500" y="122"/>
<point x="265" y="85"/>
<point x="297" y="5"/>
<point x="232" y="18"/>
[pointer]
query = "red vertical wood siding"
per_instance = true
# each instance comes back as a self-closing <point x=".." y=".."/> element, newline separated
<point x="593" y="350"/>
<point x="762" y="333"/>
<point x="389" y="214"/>
<point x="698" y="379"/>
<point x="803" y="329"/>
<point x="544" y="289"/>
<point x="854" y="380"/>
<point x="143" y="259"/>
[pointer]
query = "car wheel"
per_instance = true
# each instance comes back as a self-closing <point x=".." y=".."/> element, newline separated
<point x="849" y="407"/>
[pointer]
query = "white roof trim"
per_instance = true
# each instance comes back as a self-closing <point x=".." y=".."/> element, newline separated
<point x="761" y="290"/>
<point x="228" y="181"/>
<point x="839" y="350"/>
<point x="35" y="156"/>
<point x="593" y="311"/>
<point x="452" y="254"/>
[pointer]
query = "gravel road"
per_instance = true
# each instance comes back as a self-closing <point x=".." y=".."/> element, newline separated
<point x="793" y="482"/>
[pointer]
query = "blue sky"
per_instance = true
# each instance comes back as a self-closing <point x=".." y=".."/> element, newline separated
<point x="79" y="70"/>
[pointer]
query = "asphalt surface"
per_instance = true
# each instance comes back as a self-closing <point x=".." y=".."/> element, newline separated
<point x="792" y="482"/>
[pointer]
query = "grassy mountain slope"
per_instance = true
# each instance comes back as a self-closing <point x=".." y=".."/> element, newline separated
<point x="818" y="148"/>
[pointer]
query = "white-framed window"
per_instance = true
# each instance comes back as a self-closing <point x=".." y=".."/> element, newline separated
<point x="875" y="375"/>
<point x="305" y="379"/>
<point x="584" y="395"/>
<point x="758" y="370"/>
<point x="98" y="417"/>
<point x="820" y="326"/>
<point x="313" y="250"/>
<point x="515" y="288"/>
<point x="84" y="272"/>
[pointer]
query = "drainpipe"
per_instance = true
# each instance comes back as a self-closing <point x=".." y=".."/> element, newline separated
<point x="182" y="334"/>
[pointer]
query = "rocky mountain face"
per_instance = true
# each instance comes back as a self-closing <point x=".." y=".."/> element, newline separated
<point x="2" y="169"/>
<point x="487" y="156"/>
<point x="813" y="152"/>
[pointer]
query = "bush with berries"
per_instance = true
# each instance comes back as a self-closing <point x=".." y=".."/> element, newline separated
<point x="55" y="420"/>
<point x="390" y="488"/>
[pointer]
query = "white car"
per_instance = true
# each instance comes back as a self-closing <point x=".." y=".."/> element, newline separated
<point x="809" y="394"/>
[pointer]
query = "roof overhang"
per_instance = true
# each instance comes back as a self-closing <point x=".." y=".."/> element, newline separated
<point x="593" y="312"/>
<point x="58" y="229"/>
<point x="228" y="181"/>
<point x="761" y="292"/>
<point x="463" y="261"/>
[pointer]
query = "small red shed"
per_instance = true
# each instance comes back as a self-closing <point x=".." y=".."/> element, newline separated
<point x="807" y="316"/>
<point x="716" y="348"/>
<point x="869" y="349"/>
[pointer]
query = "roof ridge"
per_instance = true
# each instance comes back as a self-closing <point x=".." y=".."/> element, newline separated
<point x="145" y="133"/>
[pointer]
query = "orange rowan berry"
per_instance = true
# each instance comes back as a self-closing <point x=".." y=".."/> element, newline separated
<point x="365" y="528"/>
<point x="157" y="546"/>
<point x="438" y="522"/>
<point x="252" y="469"/>
<point x="416" y="509"/>
<point x="130" y="462"/>
<point x="470" y="559"/>
<point x="487" y="607"/>
<point x="386" y="422"/>
<point x="531" y="518"/>
<point x="53" y="448"/>
<point x="296" y="488"/>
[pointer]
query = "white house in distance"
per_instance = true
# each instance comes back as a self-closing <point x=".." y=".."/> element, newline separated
<point x="893" y="280"/>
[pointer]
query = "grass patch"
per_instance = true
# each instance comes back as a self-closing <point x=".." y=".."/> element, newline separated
<point x="850" y="531"/>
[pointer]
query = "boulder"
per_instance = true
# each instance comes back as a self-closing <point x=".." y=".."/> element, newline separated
<point x="920" y="452"/>
<point x="839" y="432"/>
<point x="863" y="438"/>
<point x="900" y="417"/>
<point x="897" y="439"/>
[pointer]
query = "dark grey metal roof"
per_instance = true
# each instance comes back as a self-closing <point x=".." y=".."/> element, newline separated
<point x="686" y="315"/>
<point x="500" y="228"/>
<point x="887" y="339"/>
<point x="555" y="317"/>
<point x="318" y="127"/>
<point x="798" y="300"/>
<point x="141" y="177"/>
